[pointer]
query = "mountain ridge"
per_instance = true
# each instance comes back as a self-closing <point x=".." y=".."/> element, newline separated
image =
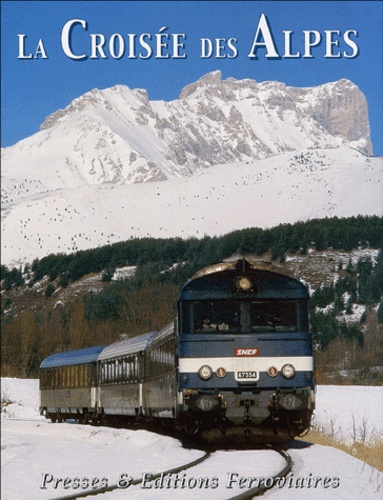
<point x="118" y="135"/>
<point x="227" y="154"/>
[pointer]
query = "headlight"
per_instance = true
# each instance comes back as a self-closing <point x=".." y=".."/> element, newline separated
<point x="245" y="284"/>
<point x="288" y="371"/>
<point x="205" y="372"/>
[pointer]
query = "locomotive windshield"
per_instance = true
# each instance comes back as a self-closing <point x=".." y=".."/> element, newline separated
<point x="205" y="316"/>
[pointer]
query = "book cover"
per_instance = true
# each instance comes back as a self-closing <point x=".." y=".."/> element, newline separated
<point x="239" y="127"/>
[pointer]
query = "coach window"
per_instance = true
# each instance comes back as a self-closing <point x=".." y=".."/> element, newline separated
<point x="132" y="369"/>
<point x="115" y="370"/>
<point x="118" y="370"/>
<point x="123" y="369"/>
<point x="88" y="375"/>
<point x="103" y="373"/>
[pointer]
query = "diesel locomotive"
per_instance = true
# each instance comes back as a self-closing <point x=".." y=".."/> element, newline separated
<point x="238" y="358"/>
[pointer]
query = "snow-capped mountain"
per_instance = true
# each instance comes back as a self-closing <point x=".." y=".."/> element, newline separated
<point x="117" y="135"/>
<point x="232" y="154"/>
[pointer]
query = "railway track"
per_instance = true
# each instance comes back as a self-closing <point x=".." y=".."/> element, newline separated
<point x="135" y="482"/>
<point x="259" y="489"/>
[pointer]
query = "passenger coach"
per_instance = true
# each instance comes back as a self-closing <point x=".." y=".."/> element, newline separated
<point x="69" y="385"/>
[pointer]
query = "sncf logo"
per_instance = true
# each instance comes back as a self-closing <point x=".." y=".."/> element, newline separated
<point x="245" y="351"/>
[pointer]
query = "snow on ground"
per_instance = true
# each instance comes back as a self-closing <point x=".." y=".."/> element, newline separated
<point x="350" y="413"/>
<point x="38" y="456"/>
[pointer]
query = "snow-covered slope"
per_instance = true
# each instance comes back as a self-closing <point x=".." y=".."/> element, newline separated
<point x="214" y="201"/>
<point x="233" y="154"/>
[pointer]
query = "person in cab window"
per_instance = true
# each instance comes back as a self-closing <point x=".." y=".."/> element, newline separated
<point x="206" y="324"/>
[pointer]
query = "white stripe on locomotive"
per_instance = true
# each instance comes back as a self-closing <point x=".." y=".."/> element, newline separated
<point x="260" y="364"/>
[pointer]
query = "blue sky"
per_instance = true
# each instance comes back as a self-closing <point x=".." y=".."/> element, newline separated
<point x="33" y="88"/>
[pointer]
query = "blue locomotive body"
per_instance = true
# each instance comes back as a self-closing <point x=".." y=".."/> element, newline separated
<point x="238" y="357"/>
<point x="245" y="352"/>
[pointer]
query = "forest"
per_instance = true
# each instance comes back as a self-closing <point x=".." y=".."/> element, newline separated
<point x="36" y="324"/>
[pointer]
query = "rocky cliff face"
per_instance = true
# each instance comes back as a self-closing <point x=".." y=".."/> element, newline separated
<point x="119" y="136"/>
<point x="341" y="109"/>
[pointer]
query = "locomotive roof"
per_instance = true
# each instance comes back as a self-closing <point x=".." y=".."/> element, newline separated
<point x="88" y="355"/>
<point x="218" y="281"/>
<point x="128" y="346"/>
<point x="241" y="265"/>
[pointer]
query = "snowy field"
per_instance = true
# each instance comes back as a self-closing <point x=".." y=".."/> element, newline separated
<point x="41" y="460"/>
<point x="214" y="201"/>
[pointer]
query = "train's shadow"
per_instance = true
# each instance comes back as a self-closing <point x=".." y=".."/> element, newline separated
<point x="243" y="444"/>
<point x="297" y="444"/>
<point x="217" y="443"/>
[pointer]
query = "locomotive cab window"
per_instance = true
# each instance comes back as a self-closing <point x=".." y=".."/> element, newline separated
<point x="225" y="316"/>
<point x="213" y="316"/>
<point x="273" y="316"/>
